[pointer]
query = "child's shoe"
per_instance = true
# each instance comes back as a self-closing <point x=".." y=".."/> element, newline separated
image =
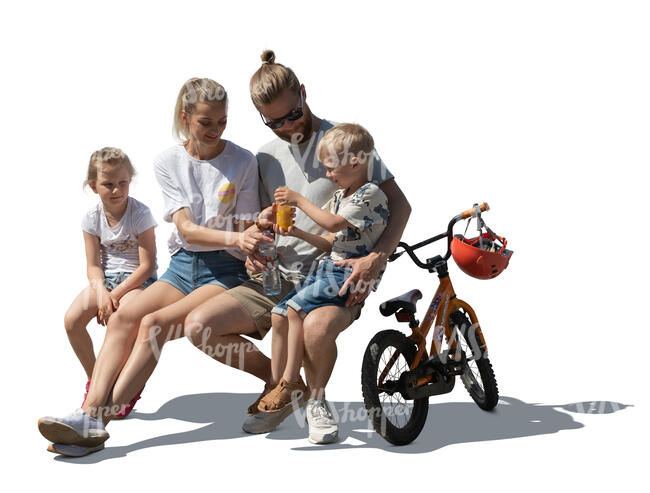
<point x="86" y="393"/>
<point x="283" y="395"/>
<point x="73" y="450"/>
<point x="126" y="410"/>
<point x="253" y="409"/>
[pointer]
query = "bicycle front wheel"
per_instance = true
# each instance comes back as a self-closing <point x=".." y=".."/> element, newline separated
<point x="478" y="375"/>
<point x="388" y="355"/>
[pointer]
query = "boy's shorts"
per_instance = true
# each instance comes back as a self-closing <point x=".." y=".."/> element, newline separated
<point x="188" y="271"/>
<point x="250" y="295"/>
<point x="114" y="279"/>
<point x="319" y="289"/>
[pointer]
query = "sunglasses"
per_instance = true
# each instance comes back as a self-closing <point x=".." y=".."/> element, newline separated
<point x="292" y="116"/>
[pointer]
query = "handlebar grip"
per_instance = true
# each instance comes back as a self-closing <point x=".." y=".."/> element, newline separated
<point x="472" y="213"/>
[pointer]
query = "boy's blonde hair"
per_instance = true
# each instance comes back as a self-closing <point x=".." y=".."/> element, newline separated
<point x="344" y="141"/>
<point x="111" y="156"/>
<point x="270" y="80"/>
<point x="194" y="91"/>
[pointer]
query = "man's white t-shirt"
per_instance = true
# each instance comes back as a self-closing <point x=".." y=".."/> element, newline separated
<point x="119" y="244"/>
<point x="215" y="191"/>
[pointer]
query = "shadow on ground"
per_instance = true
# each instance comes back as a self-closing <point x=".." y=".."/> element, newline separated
<point x="447" y="423"/>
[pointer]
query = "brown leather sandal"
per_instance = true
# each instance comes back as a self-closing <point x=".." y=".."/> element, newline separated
<point x="283" y="395"/>
<point x="253" y="409"/>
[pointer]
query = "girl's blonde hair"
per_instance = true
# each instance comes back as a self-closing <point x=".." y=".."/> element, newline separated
<point x="111" y="156"/>
<point x="270" y="80"/>
<point x="344" y="141"/>
<point x="194" y="91"/>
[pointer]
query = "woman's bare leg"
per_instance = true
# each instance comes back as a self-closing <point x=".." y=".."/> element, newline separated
<point x="155" y="330"/>
<point x="120" y="333"/>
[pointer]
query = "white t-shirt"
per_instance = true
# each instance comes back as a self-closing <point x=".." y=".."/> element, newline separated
<point x="215" y="191"/>
<point x="119" y="244"/>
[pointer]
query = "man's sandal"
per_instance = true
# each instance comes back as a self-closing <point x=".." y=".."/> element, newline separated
<point x="252" y="409"/>
<point x="283" y="395"/>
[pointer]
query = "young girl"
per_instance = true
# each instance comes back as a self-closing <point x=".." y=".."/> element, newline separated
<point x="210" y="192"/>
<point x="120" y="251"/>
<point x="355" y="217"/>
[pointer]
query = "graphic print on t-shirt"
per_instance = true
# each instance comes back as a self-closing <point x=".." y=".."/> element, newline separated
<point x="121" y="246"/>
<point x="226" y="192"/>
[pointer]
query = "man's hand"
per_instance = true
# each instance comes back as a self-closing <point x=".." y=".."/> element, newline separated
<point x="266" y="219"/>
<point x="365" y="271"/>
<point x="256" y="263"/>
<point x="284" y="196"/>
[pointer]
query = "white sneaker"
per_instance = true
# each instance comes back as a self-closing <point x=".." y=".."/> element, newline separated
<point x="322" y="425"/>
<point x="73" y="450"/>
<point x="76" y="428"/>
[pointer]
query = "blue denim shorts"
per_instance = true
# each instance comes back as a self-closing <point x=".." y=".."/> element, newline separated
<point x="114" y="279"/>
<point x="319" y="289"/>
<point x="188" y="271"/>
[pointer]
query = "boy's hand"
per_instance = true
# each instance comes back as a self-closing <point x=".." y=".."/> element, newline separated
<point x="284" y="196"/>
<point x="285" y="232"/>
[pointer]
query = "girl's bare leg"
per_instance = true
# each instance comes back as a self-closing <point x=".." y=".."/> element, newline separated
<point x="295" y="347"/>
<point x="82" y="310"/>
<point x="121" y="331"/>
<point x="155" y="330"/>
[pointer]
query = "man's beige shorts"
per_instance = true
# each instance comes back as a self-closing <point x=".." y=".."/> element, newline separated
<point x="250" y="295"/>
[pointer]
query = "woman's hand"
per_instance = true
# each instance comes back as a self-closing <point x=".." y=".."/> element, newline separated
<point x="249" y="240"/>
<point x="284" y="196"/>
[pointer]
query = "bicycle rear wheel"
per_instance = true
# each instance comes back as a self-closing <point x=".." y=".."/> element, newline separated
<point x="398" y="420"/>
<point x="478" y="375"/>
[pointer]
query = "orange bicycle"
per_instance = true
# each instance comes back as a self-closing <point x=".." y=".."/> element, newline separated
<point x="398" y="373"/>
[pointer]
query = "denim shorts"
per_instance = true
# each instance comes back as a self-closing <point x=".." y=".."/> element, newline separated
<point x="188" y="271"/>
<point x="319" y="289"/>
<point x="114" y="279"/>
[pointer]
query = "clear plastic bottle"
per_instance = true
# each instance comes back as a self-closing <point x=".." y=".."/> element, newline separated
<point x="270" y="278"/>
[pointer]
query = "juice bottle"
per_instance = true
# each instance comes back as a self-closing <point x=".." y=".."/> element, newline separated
<point x="283" y="216"/>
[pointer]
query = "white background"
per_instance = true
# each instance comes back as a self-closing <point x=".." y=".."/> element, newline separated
<point x="539" y="108"/>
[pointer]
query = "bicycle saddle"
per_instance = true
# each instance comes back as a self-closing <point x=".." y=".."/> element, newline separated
<point x="406" y="302"/>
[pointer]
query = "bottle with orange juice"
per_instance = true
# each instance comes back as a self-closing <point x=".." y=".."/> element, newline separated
<point x="283" y="215"/>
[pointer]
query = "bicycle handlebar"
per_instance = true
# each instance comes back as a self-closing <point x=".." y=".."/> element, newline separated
<point x="473" y="212"/>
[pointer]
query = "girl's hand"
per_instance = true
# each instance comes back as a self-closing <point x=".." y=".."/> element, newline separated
<point x="106" y="308"/>
<point x="284" y="196"/>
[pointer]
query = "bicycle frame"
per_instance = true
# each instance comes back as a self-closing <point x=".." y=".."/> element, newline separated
<point x="443" y="303"/>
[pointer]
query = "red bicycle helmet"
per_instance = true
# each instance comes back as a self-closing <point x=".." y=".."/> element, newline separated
<point x="481" y="257"/>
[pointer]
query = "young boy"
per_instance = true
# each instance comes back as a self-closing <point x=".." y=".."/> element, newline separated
<point x="355" y="217"/>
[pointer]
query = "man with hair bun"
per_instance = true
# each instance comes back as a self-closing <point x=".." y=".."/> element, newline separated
<point x="290" y="160"/>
